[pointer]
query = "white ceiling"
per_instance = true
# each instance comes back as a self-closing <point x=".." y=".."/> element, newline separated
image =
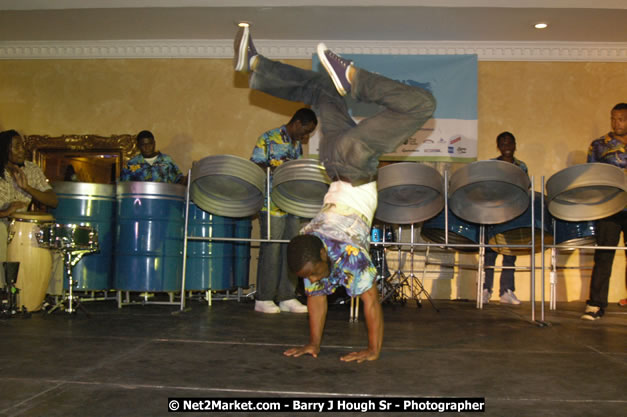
<point x="351" y="20"/>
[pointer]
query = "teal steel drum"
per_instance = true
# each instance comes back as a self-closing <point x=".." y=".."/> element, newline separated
<point x="209" y="263"/>
<point x="89" y="204"/>
<point x="241" y="255"/>
<point x="149" y="236"/>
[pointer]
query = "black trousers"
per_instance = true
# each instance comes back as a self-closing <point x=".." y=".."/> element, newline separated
<point x="608" y="234"/>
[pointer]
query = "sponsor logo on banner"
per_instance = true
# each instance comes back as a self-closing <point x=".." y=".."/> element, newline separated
<point x="451" y="149"/>
<point x="461" y="150"/>
<point x="432" y="150"/>
<point x="455" y="140"/>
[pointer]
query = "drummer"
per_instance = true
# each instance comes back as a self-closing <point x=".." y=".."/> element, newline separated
<point x="21" y="182"/>
<point x="151" y="164"/>
<point x="333" y="252"/>
<point x="272" y="149"/>
<point x="608" y="149"/>
<point x="506" y="144"/>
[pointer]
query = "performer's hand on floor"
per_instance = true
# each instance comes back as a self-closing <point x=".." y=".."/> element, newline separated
<point x="364" y="355"/>
<point x="299" y="351"/>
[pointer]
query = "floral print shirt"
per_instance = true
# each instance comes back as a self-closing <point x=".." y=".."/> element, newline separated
<point x="163" y="169"/>
<point x="608" y="150"/>
<point x="344" y="233"/>
<point x="272" y="149"/>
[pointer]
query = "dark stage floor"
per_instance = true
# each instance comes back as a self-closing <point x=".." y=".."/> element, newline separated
<point x="127" y="362"/>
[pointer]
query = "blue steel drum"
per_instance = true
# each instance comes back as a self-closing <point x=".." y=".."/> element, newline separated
<point x="149" y="236"/>
<point x="459" y="231"/>
<point x="241" y="252"/>
<point x="575" y="233"/>
<point x="518" y="231"/>
<point x="88" y="204"/>
<point x="209" y="263"/>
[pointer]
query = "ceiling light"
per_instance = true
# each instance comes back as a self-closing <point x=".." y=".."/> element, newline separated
<point x="541" y="25"/>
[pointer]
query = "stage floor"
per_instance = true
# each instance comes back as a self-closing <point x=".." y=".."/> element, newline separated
<point x="127" y="362"/>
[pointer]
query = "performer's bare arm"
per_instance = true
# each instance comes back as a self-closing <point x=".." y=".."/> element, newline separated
<point x="374" y="322"/>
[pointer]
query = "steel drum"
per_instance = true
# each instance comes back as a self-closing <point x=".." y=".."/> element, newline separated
<point x="93" y="205"/>
<point x="489" y="192"/>
<point x="35" y="261"/>
<point x="299" y="186"/>
<point x="587" y="192"/>
<point x="518" y="231"/>
<point x="575" y="233"/>
<point x="459" y="231"/>
<point x="149" y="236"/>
<point x="227" y="185"/>
<point x="409" y="192"/>
<point x="241" y="253"/>
<point x="209" y="263"/>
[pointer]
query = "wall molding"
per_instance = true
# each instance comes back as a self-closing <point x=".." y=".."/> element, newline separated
<point x="190" y="48"/>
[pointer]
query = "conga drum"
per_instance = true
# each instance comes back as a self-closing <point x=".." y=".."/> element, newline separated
<point x="459" y="231"/>
<point x="149" y="236"/>
<point x="35" y="261"/>
<point x="409" y="192"/>
<point x="489" y="192"/>
<point x="518" y="231"/>
<point x="299" y="186"/>
<point x="92" y="205"/>
<point x="587" y="192"/>
<point x="227" y="185"/>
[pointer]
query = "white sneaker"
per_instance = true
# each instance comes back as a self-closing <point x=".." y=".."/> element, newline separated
<point x="509" y="298"/>
<point x="292" y="306"/>
<point x="267" y="307"/>
<point x="486" y="296"/>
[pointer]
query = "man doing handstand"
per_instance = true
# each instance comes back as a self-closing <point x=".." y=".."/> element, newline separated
<point x="332" y="249"/>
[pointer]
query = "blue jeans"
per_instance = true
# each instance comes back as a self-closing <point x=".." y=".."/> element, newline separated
<point x="507" y="275"/>
<point x="608" y="234"/>
<point x="274" y="281"/>
<point x="348" y="150"/>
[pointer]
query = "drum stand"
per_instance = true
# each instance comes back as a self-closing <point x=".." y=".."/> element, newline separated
<point x="396" y="289"/>
<point x="71" y="303"/>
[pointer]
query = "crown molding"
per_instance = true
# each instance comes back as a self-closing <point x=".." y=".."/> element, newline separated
<point x="155" y="49"/>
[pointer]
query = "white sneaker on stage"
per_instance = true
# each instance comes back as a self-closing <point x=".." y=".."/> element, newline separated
<point x="292" y="306"/>
<point x="509" y="298"/>
<point x="485" y="296"/>
<point x="267" y="307"/>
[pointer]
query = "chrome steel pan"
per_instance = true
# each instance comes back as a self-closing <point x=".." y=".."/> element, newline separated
<point x="586" y="192"/>
<point x="489" y="192"/>
<point x="408" y="193"/>
<point x="299" y="186"/>
<point x="227" y="185"/>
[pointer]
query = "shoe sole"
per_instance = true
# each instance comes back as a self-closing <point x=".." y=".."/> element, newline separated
<point x="295" y="312"/>
<point x="589" y="318"/>
<point x="329" y="68"/>
<point x="242" y="52"/>
<point x="268" y="312"/>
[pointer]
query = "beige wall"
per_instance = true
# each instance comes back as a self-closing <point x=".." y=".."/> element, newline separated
<point x="199" y="107"/>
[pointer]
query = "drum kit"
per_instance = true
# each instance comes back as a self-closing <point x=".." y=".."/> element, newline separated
<point x="32" y="236"/>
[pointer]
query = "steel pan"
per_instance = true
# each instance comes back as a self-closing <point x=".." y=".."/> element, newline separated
<point x="299" y="186"/>
<point x="35" y="261"/>
<point x="459" y="231"/>
<point x="149" y="236"/>
<point x="227" y="185"/>
<point x="209" y="264"/>
<point x="575" y="233"/>
<point x="518" y="231"/>
<point x="89" y="204"/>
<point x="409" y="192"/>
<point x="489" y="192"/>
<point x="587" y="192"/>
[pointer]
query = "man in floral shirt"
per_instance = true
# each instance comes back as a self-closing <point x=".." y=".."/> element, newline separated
<point x="150" y="164"/>
<point x="608" y="149"/>
<point x="273" y="281"/>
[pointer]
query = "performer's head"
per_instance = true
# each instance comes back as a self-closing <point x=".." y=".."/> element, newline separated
<point x="302" y="124"/>
<point x="146" y="144"/>
<point x="506" y="143"/>
<point x="11" y="149"/>
<point x="619" y="119"/>
<point x="307" y="258"/>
